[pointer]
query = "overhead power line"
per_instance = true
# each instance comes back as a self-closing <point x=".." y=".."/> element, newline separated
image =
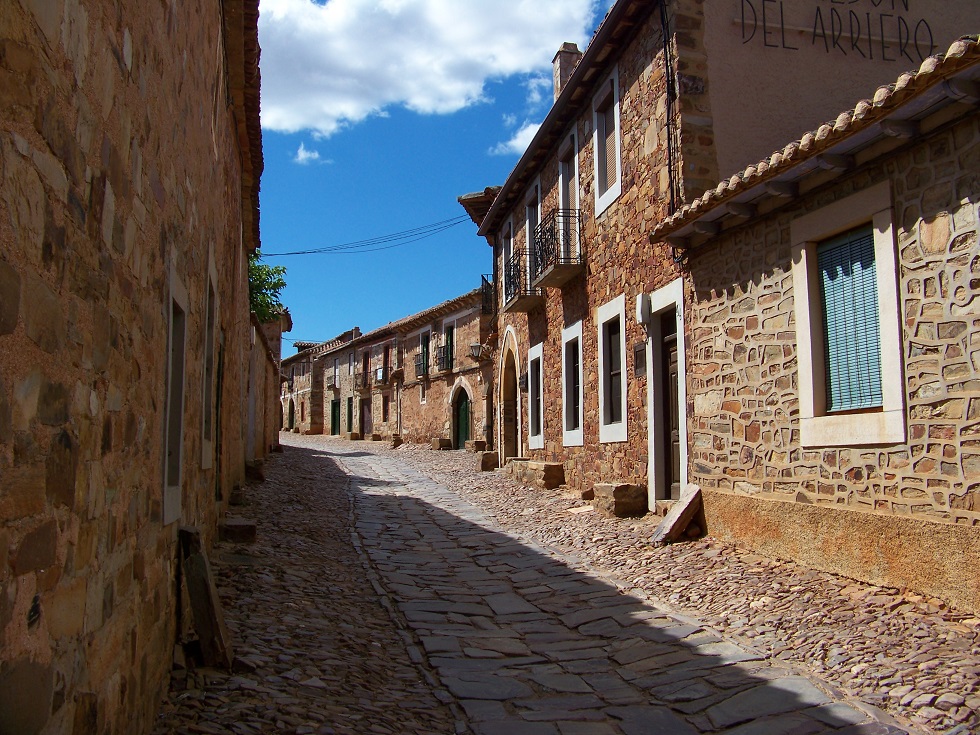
<point x="382" y="242"/>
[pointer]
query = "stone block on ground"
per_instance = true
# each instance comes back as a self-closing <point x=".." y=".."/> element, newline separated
<point x="439" y="442"/>
<point x="623" y="500"/>
<point x="547" y="475"/>
<point x="209" y="619"/>
<point x="487" y="461"/>
<point x="237" y="530"/>
<point x="376" y="437"/>
<point x="675" y="523"/>
<point x="236" y="496"/>
<point x="396" y="441"/>
<point x="353" y="436"/>
<point x="255" y="470"/>
<point x="476" y="445"/>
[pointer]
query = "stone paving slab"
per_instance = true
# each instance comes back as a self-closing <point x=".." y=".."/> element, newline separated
<point x="388" y="593"/>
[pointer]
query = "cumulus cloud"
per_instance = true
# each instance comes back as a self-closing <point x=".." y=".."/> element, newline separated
<point x="518" y="142"/>
<point x="305" y="156"/>
<point x="327" y="66"/>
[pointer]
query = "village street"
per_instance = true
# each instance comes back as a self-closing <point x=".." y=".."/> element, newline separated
<point x="400" y="591"/>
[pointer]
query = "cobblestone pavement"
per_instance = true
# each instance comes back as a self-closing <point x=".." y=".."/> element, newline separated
<point x="430" y="598"/>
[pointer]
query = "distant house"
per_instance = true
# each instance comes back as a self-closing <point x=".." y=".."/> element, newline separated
<point x="834" y="327"/>
<point x="422" y="377"/>
<point x="130" y="154"/>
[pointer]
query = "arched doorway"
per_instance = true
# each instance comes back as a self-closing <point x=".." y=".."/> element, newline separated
<point x="292" y="415"/>
<point x="508" y="407"/>
<point x="461" y="419"/>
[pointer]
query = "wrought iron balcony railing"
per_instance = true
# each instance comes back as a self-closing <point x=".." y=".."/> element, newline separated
<point x="556" y="249"/>
<point x="518" y="294"/>
<point x="330" y="381"/>
<point x="489" y="296"/>
<point x="361" y="381"/>
<point x="444" y="358"/>
<point x="380" y="375"/>
<point x="421" y="367"/>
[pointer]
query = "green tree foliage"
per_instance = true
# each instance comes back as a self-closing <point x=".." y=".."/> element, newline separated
<point x="264" y="284"/>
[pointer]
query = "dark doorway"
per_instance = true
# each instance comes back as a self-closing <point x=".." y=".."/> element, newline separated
<point x="292" y="415"/>
<point x="461" y="419"/>
<point x="335" y="416"/>
<point x="671" y="417"/>
<point x="508" y="408"/>
<point x="367" y="425"/>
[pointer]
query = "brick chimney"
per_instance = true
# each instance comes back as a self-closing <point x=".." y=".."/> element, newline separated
<point x="564" y="64"/>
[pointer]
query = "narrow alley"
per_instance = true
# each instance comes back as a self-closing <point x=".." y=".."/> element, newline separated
<point x="399" y="591"/>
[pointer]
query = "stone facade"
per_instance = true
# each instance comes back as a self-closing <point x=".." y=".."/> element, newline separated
<point x="129" y="159"/>
<point x="264" y="412"/>
<point x="809" y="496"/>
<point x="675" y="136"/>
<point x="369" y="387"/>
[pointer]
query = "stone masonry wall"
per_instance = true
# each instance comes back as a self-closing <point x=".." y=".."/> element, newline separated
<point x="618" y="260"/>
<point x="743" y="379"/>
<point x="120" y="164"/>
<point x="422" y="422"/>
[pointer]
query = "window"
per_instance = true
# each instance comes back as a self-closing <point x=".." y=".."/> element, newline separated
<point x="568" y="195"/>
<point x="535" y="389"/>
<point x="845" y="302"/>
<point x="174" y="406"/>
<point x="571" y="381"/>
<point x="449" y="346"/>
<point x="532" y="216"/>
<point x="336" y="371"/>
<point x="605" y="140"/>
<point x="207" y="428"/>
<point x="612" y="359"/>
<point x="424" y="353"/>
<point x="507" y="250"/>
<point x="350" y="364"/>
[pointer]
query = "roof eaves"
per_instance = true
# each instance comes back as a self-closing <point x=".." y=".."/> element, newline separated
<point x="780" y="171"/>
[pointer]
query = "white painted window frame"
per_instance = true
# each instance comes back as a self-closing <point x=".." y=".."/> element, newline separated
<point x="875" y="428"/>
<point x="173" y="493"/>
<point x="569" y="150"/>
<point x="615" y="431"/>
<point x="535" y="390"/>
<point x="573" y="437"/>
<point x="602" y="201"/>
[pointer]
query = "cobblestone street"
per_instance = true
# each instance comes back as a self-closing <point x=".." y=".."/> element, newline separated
<point x="400" y="591"/>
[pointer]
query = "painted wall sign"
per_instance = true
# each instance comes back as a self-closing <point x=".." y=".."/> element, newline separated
<point x="873" y="30"/>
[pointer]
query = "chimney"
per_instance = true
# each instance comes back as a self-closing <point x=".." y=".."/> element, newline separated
<point x="564" y="64"/>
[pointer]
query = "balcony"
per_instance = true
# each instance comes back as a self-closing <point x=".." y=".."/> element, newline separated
<point x="444" y="359"/>
<point x="421" y="367"/>
<point x="489" y="295"/>
<point x="331" y="381"/>
<point x="557" y="253"/>
<point x="518" y="295"/>
<point x="379" y="376"/>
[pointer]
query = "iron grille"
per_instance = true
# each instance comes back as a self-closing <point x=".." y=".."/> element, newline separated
<point x="444" y="358"/>
<point x="420" y="367"/>
<point x="556" y="241"/>
<point x="489" y="297"/>
<point x="514" y="276"/>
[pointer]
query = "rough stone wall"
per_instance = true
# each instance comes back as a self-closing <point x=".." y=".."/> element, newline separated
<point x="618" y="260"/>
<point x="118" y="159"/>
<point x="743" y="379"/>
<point x="422" y="422"/>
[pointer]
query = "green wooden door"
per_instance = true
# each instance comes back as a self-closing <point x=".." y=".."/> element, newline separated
<point x="335" y="416"/>
<point x="462" y="420"/>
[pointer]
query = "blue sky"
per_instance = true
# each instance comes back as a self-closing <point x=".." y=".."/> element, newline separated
<point x="376" y="115"/>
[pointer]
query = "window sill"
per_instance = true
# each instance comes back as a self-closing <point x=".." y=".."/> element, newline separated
<point x="853" y="430"/>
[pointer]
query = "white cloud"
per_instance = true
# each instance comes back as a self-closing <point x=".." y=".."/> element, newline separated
<point x="510" y="120"/>
<point x="519" y="142"/>
<point x="328" y="66"/>
<point x="539" y="89"/>
<point x="304" y="156"/>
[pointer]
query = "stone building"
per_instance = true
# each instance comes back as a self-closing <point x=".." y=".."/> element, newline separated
<point x="264" y="409"/>
<point x="833" y="328"/>
<point x="130" y="156"/>
<point x="420" y="378"/>
<point x="302" y="395"/>
<point x="647" y="118"/>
